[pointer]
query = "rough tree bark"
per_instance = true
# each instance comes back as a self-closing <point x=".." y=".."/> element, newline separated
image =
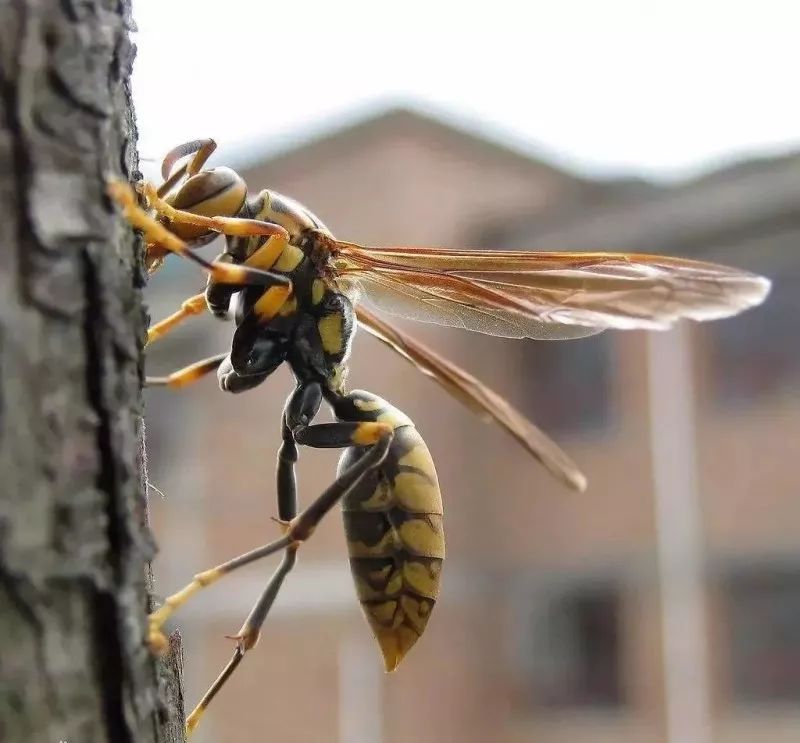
<point x="73" y="538"/>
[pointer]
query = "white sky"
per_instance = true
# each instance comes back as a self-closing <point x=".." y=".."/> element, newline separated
<point x="663" y="88"/>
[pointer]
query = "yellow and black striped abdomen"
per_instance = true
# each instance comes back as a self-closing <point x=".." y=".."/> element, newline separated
<point x="395" y="537"/>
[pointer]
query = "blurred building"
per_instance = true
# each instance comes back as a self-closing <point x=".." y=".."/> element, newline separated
<point x="551" y="624"/>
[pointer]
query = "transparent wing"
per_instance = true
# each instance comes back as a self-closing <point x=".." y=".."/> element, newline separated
<point x="545" y="295"/>
<point x="477" y="396"/>
<point x="455" y="303"/>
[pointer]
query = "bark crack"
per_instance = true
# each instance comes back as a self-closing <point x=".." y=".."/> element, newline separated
<point x="73" y="535"/>
<point x="111" y="671"/>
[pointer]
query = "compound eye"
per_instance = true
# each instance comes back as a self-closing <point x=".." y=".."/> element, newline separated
<point x="219" y="192"/>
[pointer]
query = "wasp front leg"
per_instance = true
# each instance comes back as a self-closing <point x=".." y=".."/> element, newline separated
<point x="158" y="234"/>
<point x="194" y="305"/>
<point x="225" y="225"/>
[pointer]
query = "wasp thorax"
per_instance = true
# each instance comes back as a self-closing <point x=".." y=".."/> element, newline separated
<point x="219" y="192"/>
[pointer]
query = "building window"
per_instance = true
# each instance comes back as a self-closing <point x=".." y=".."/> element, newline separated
<point x="763" y="611"/>
<point x="568" y="383"/>
<point x="572" y="649"/>
<point x="754" y="354"/>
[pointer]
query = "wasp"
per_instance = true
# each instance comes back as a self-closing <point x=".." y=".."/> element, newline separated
<point x="298" y="294"/>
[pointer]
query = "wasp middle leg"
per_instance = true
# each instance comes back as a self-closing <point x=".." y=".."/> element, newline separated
<point x="230" y="380"/>
<point x="217" y="296"/>
<point x="188" y="374"/>
<point x="194" y="305"/>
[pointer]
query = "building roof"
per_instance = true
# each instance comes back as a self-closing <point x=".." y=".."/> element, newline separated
<point x="726" y="205"/>
<point x="470" y="138"/>
<point x="621" y="214"/>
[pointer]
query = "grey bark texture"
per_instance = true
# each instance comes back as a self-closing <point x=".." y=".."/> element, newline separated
<point x="74" y="542"/>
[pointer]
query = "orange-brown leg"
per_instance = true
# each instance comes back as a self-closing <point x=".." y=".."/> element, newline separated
<point x="188" y="374"/>
<point x="266" y="307"/>
<point x="194" y="305"/>
<point x="234" y="226"/>
<point x="300" y="409"/>
<point x="378" y="436"/>
<point x="160" y="236"/>
<point x="297" y="531"/>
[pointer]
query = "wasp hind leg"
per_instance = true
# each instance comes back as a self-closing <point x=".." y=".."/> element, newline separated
<point x="248" y="635"/>
<point x="301" y="408"/>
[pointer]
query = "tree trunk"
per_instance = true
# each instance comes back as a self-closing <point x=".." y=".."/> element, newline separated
<point x="73" y="536"/>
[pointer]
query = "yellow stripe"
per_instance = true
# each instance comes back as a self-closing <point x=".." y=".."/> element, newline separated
<point x="384" y="612"/>
<point x="416" y="494"/>
<point x="368" y="405"/>
<point x="419" y="457"/>
<point x="317" y="291"/>
<point x="421" y="578"/>
<point x="330" y="332"/>
<point x="380" y="499"/>
<point x="424" y="536"/>
<point x="265" y="256"/>
<point x="289" y="259"/>
<point x="369" y="433"/>
<point x="271" y="301"/>
<point x="388" y="545"/>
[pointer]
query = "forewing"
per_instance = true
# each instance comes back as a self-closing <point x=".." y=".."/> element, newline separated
<point x="458" y="303"/>
<point x="476" y="396"/>
<point x="546" y="295"/>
